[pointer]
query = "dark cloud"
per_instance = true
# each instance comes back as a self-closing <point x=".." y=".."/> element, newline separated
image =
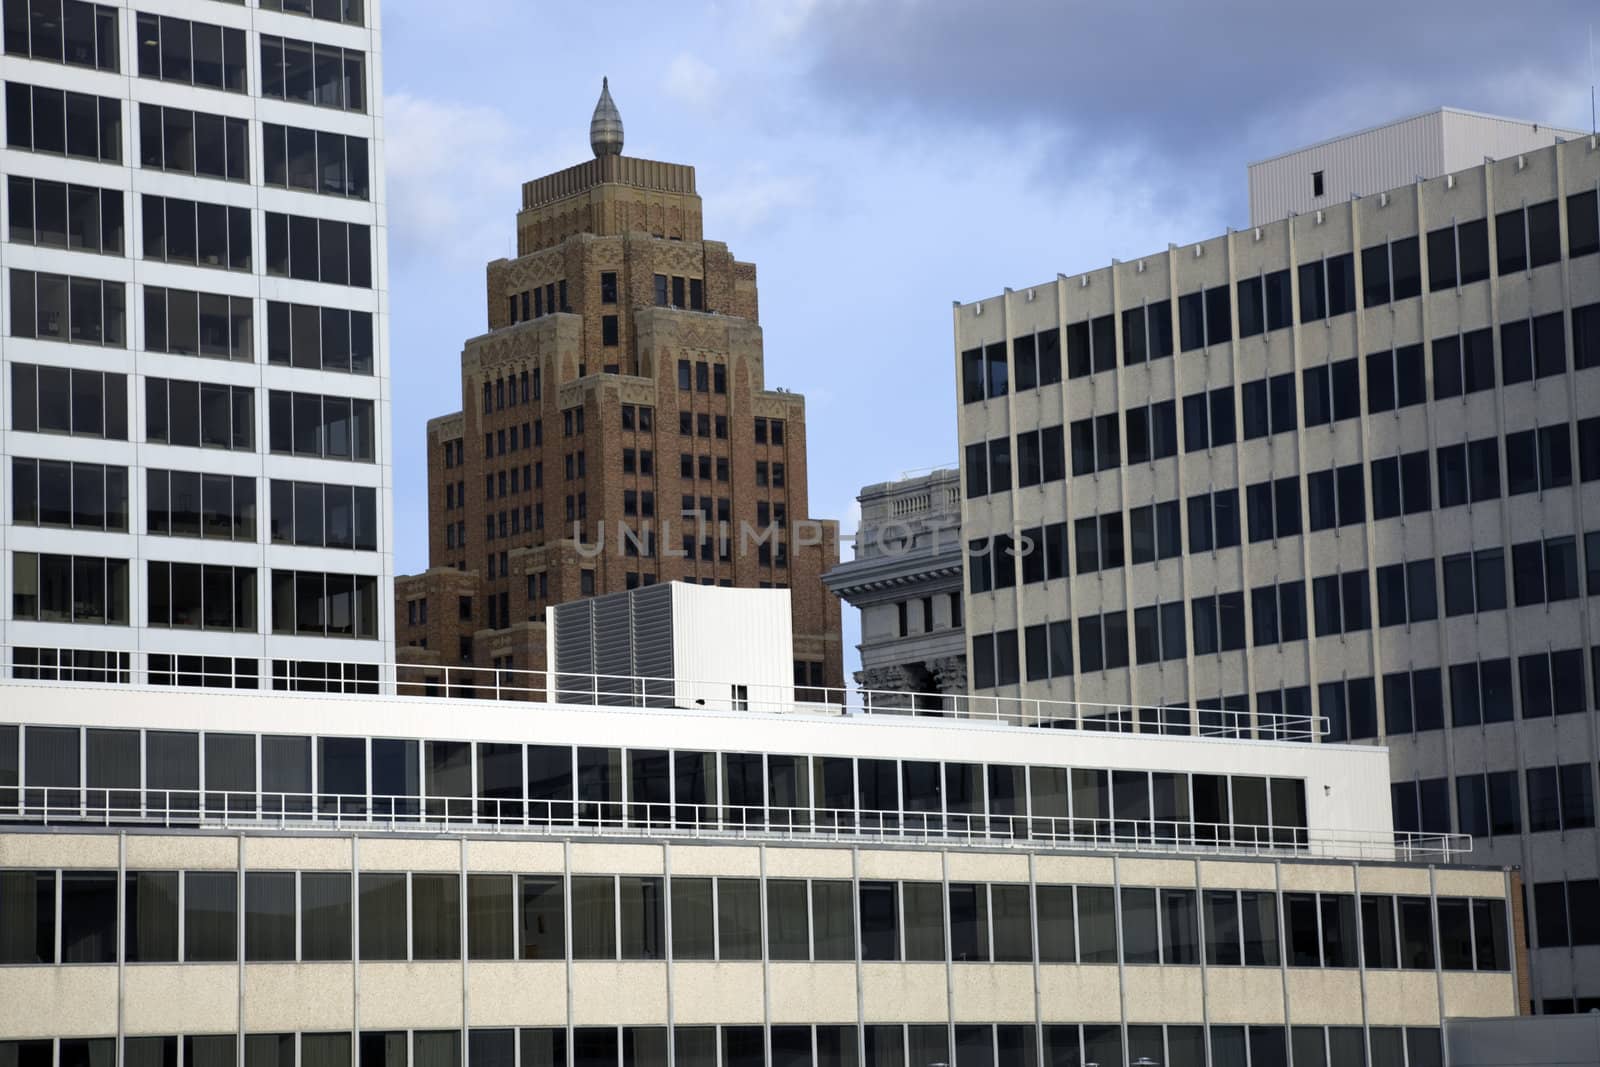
<point x="1193" y="85"/>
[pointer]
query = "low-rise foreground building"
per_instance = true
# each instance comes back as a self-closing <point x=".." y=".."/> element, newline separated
<point x="207" y="879"/>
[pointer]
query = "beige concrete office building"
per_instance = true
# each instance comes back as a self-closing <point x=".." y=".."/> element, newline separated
<point x="1342" y="464"/>
<point x="383" y="881"/>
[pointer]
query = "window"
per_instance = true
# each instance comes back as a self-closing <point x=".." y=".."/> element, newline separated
<point x="1091" y="346"/>
<point x="1098" y="543"/>
<point x="435" y="916"/>
<point x="1340" y="603"/>
<point x="1041" y="456"/>
<point x="1565" y="912"/>
<point x="210" y="916"/>
<point x="1336" y="497"/>
<point x="82" y="403"/>
<point x="201" y="597"/>
<point x="337" y="339"/>
<point x="1158" y="633"/>
<point x="191" y="504"/>
<point x="1458" y="255"/>
<point x="324" y="250"/>
<point x="1316" y="183"/>
<point x="193" y="53"/>
<point x="1154" y="532"/>
<point x="62" y="123"/>
<point x="1407" y="593"/>
<point x="1274" y="509"/>
<point x="1480" y="692"/>
<point x="183" y="322"/>
<point x="332" y="427"/>
<point x="88" y="917"/>
<point x="313" y="73"/>
<point x="83" y="496"/>
<point x="1218" y="623"/>
<point x="315" y="161"/>
<point x="59" y="215"/>
<point x="1204" y="318"/>
<point x="1327" y="287"/>
<point x="1560" y="798"/>
<point x="1551" y="683"/>
<point x="1214" y="520"/>
<point x="1146" y="335"/>
<point x="348" y="11"/>
<point x="1269" y="406"/>
<point x="1532" y="348"/>
<point x="324" y="516"/>
<point x="1208" y="420"/>
<point x="1264" y="303"/>
<point x="1510" y="232"/>
<point x="1332" y="392"/>
<point x="1463" y="364"/>
<point x="54" y="307"/>
<point x="1528" y="238"/>
<point x="1395" y="379"/>
<point x="1390" y="272"/>
<point x="1103" y="641"/>
<point x="194" y="142"/>
<point x="1468" y="472"/>
<point x="1152" y="432"/>
<point x="73" y="32"/>
<point x="1401" y="485"/>
<point x="1538" y="460"/>
<point x="1413" y="700"/>
<point x="1279" y="613"/>
<point x="335" y="605"/>
<point x="1096" y="444"/>
<point x="1544" y="571"/>
<point x="199" y="234"/>
<point x="199" y="414"/>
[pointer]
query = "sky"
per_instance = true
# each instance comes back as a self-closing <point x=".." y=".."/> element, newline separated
<point x="879" y="159"/>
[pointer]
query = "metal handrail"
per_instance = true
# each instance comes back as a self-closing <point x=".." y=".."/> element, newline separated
<point x="501" y="684"/>
<point x="224" y="809"/>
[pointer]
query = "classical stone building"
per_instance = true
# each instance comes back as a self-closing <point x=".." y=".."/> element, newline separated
<point x="616" y="430"/>
<point x="906" y="581"/>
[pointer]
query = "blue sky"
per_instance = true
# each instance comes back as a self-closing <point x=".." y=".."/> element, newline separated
<point x="877" y="159"/>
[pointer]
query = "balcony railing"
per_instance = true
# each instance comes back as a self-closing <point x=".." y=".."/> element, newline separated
<point x="168" y="670"/>
<point x="325" y="812"/>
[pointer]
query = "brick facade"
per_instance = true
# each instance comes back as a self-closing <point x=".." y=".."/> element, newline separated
<point x="566" y="472"/>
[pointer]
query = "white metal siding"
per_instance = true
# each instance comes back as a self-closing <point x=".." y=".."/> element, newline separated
<point x="1365" y="163"/>
<point x="1468" y="138"/>
<point x="1387" y="157"/>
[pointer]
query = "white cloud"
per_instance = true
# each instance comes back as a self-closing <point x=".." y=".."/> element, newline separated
<point x="454" y="173"/>
<point x="755" y="197"/>
<point x="691" y="80"/>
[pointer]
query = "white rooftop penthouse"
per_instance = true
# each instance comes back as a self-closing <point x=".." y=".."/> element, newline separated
<point x="998" y="771"/>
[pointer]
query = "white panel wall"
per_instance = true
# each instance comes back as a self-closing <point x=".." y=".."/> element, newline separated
<point x="726" y="637"/>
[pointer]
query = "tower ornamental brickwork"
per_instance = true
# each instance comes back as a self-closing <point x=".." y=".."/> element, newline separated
<point x="616" y="430"/>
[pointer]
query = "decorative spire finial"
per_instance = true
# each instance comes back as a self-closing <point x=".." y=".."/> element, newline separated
<point x="605" y="129"/>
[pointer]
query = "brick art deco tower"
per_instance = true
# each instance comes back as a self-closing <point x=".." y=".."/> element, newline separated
<point x="615" y="429"/>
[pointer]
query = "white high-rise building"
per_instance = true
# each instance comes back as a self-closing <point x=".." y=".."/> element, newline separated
<point x="194" y="361"/>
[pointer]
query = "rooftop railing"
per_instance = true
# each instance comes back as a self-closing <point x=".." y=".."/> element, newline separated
<point x="331" y="812"/>
<point x="177" y="670"/>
